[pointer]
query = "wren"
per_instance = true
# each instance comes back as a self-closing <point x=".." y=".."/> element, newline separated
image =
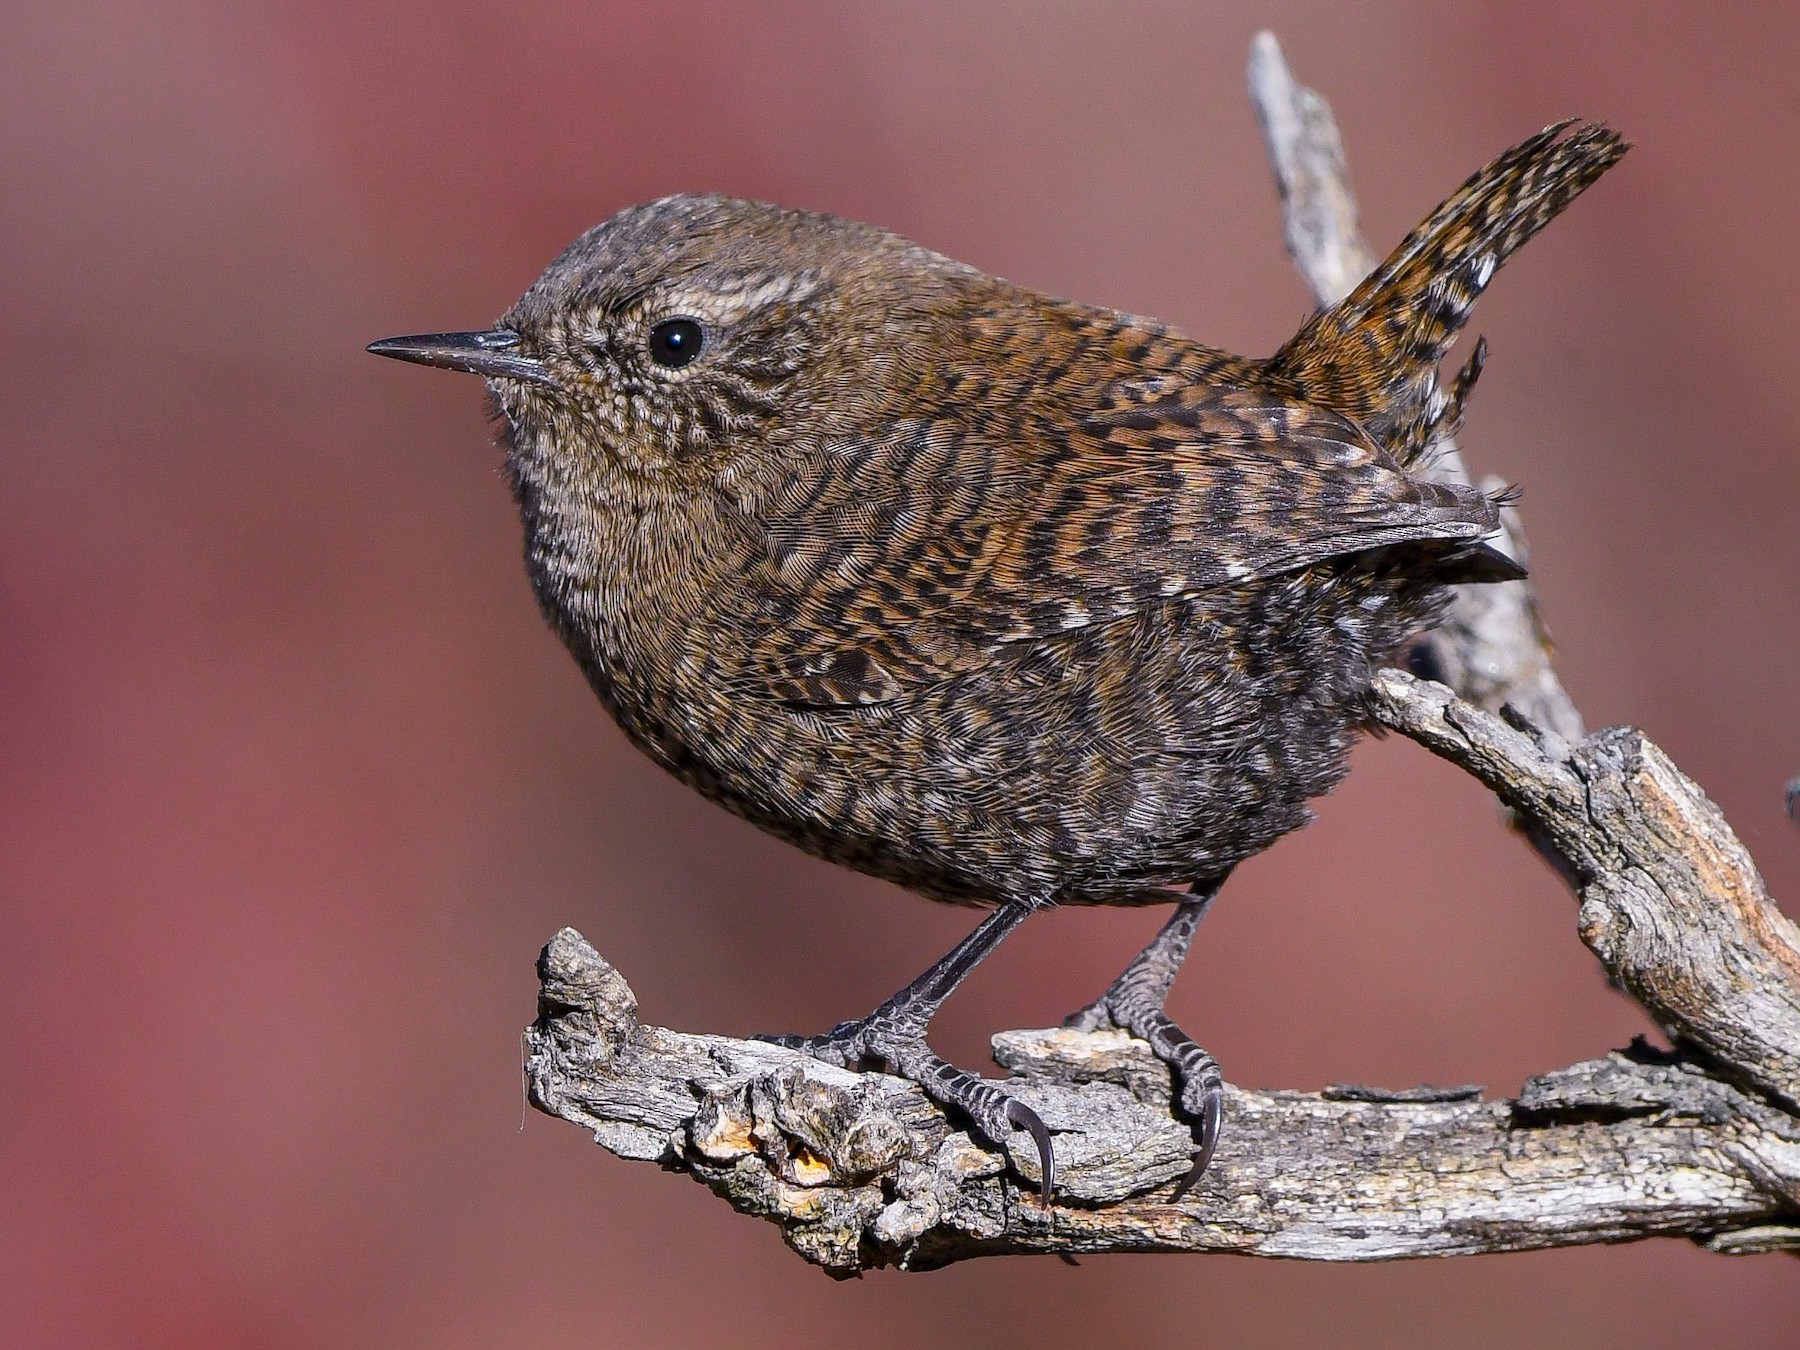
<point x="1012" y="601"/>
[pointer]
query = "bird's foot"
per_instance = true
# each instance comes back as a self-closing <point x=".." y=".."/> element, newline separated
<point x="849" y="1045"/>
<point x="889" y="1037"/>
<point x="1199" y="1085"/>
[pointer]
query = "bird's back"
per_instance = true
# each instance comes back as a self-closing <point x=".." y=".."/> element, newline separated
<point x="1110" y="637"/>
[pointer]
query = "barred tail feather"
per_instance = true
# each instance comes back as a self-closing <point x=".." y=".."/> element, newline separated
<point x="1373" y="356"/>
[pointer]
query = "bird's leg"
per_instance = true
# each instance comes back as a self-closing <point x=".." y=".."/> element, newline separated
<point x="1134" y="1003"/>
<point x="894" y="1034"/>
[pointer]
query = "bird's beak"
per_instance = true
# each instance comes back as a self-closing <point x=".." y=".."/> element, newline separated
<point x="494" y="353"/>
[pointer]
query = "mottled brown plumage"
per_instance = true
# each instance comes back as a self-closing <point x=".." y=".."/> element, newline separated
<point x="1013" y="601"/>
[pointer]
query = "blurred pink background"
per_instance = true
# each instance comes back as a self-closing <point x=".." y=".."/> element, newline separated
<point x="294" y="783"/>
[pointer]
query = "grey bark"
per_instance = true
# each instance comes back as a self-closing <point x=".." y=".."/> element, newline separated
<point x="859" y="1170"/>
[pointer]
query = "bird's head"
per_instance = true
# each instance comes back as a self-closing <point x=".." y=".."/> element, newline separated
<point x="679" y="332"/>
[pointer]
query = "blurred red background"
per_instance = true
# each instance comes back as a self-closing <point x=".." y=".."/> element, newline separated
<point x="294" y="783"/>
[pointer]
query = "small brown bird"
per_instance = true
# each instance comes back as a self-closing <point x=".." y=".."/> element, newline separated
<point x="1013" y="601"/>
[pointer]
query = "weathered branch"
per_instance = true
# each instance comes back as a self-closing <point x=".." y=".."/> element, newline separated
<point x="860" y="1170"/>
<point x="1670" y="901"/>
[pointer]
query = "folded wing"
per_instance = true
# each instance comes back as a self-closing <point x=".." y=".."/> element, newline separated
<point x="909" y="557"/>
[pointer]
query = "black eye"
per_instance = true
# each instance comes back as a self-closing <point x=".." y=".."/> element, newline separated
<point x="675" y="342"/>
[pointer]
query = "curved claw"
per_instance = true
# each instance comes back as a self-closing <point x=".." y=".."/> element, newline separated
<point x="1025" y="1118"/>
<point x="1212" y="1113"/>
